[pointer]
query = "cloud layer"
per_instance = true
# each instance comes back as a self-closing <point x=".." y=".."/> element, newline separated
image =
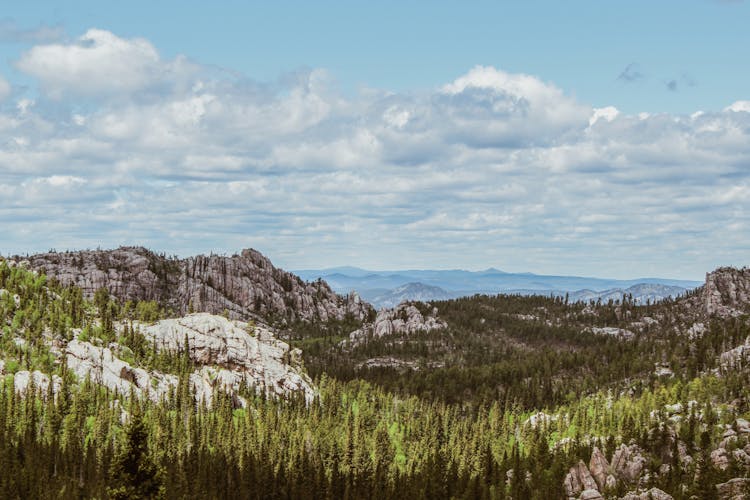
<point x="121" y="146"/>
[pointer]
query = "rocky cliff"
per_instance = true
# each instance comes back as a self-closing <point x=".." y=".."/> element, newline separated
<point x="246" y="285"/>
<point x="727" y="292"/>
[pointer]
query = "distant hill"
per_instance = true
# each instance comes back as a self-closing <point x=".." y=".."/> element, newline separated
<point x="374" y="284"/>
<point x="408" y="292"/>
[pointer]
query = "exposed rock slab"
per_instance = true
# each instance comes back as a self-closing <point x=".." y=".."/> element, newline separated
<point x="228" y="358"/>
<point x="242" y="352"/>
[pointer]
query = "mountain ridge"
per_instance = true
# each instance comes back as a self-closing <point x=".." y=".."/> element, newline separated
<point x="245" y="285"/>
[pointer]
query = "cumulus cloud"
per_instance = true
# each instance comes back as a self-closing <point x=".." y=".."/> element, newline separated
<point x="491" y="168"/>
<point x="99" y="62"/>
<point x="739" y="106"/>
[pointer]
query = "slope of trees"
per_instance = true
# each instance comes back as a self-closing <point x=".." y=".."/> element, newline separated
<point x="462" y="430"/>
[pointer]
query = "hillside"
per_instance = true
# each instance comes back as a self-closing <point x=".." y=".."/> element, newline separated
<point x="501" y="396"/>
<point x="405" y="293"/>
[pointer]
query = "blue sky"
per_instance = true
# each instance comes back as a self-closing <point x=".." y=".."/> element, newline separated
<point x="582" y="46"/>
<point x="594" y="138"/>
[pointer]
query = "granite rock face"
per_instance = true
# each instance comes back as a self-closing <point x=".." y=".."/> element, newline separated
<point x="246" y="285"/>
<point x="22" y="380"/>
<point x="241" y="351"/>
<point x="727" y="292"/>
<point x="578" y="480"/>
<point x="628" y="463"/>
<point x="229" y="355"/>
<point x="404" y="319"/>
<point x="627" y="467"/>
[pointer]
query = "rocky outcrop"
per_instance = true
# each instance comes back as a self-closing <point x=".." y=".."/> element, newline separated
<point x="22" y="380"/>
<point x="229" y="355"/>
<point x="652" y="494"/>
<point x="727" y="291"/>
<point x="578" y="480"/>
<point x="102" y="366"/>
<point x="599" y="468"/>
<point x="601" y="476"/>
<point x="246" y="285"/>
<point x="734" y="489"/>
<point x="628" y="463"/>
<point x="611" y="331"/>
<point x="591" y="495"/>
<point x="737" y="357"/>
<point x="251" y="353"/>
<point x="405" y="319"/>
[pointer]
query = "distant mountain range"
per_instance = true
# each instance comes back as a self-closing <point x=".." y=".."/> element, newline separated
<point x="388" y="288"/>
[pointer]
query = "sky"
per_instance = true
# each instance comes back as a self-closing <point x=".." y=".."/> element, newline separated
<point x="591" y="138"/>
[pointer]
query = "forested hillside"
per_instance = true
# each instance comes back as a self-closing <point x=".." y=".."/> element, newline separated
<point x="480" y="397"/>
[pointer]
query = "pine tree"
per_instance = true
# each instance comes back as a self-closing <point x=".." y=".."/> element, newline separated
<point x="133" y="472"/>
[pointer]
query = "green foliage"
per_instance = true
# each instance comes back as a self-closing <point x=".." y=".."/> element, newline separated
<point x="134" y="474"/>
<point x="454" y="427"/>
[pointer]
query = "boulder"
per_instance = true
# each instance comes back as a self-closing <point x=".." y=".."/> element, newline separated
<point x="591" y="495"/>
<point x="741" y="457"/>
<point x="720" y="458"/>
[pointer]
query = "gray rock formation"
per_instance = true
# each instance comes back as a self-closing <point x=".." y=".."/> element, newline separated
<point x="599" y="476"/>
<point x="628" y="463"/>
<point x="591" y="495"/>
<point x="720" y="458"/>
<point x="619" y="333"/>
<point x="229" y="355"/>
<point x="599" y="468"/>
<point x="405" y="319"/>
<point x="251" y="353"/>
<point x="734" y="489"/>
<point x="578" y="479"/>
<point x="246" y="285"/>
<point x="727" y="292"/>
<point x="23" y="379"/>
<point x="652" y="494"/>
<point x="737" y="357"/>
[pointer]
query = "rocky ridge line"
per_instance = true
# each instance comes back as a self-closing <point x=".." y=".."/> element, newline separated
<point x="246" y="286"/>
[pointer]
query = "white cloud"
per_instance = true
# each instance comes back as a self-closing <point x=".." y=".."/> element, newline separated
<point x="608" y="113"/>
<point x="739" y="106"/>
<point x="99" y="63"/>
<point x="492" y="168"/>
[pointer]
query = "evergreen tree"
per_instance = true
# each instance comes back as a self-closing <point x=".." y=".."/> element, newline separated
<point x="134" y="475"/>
